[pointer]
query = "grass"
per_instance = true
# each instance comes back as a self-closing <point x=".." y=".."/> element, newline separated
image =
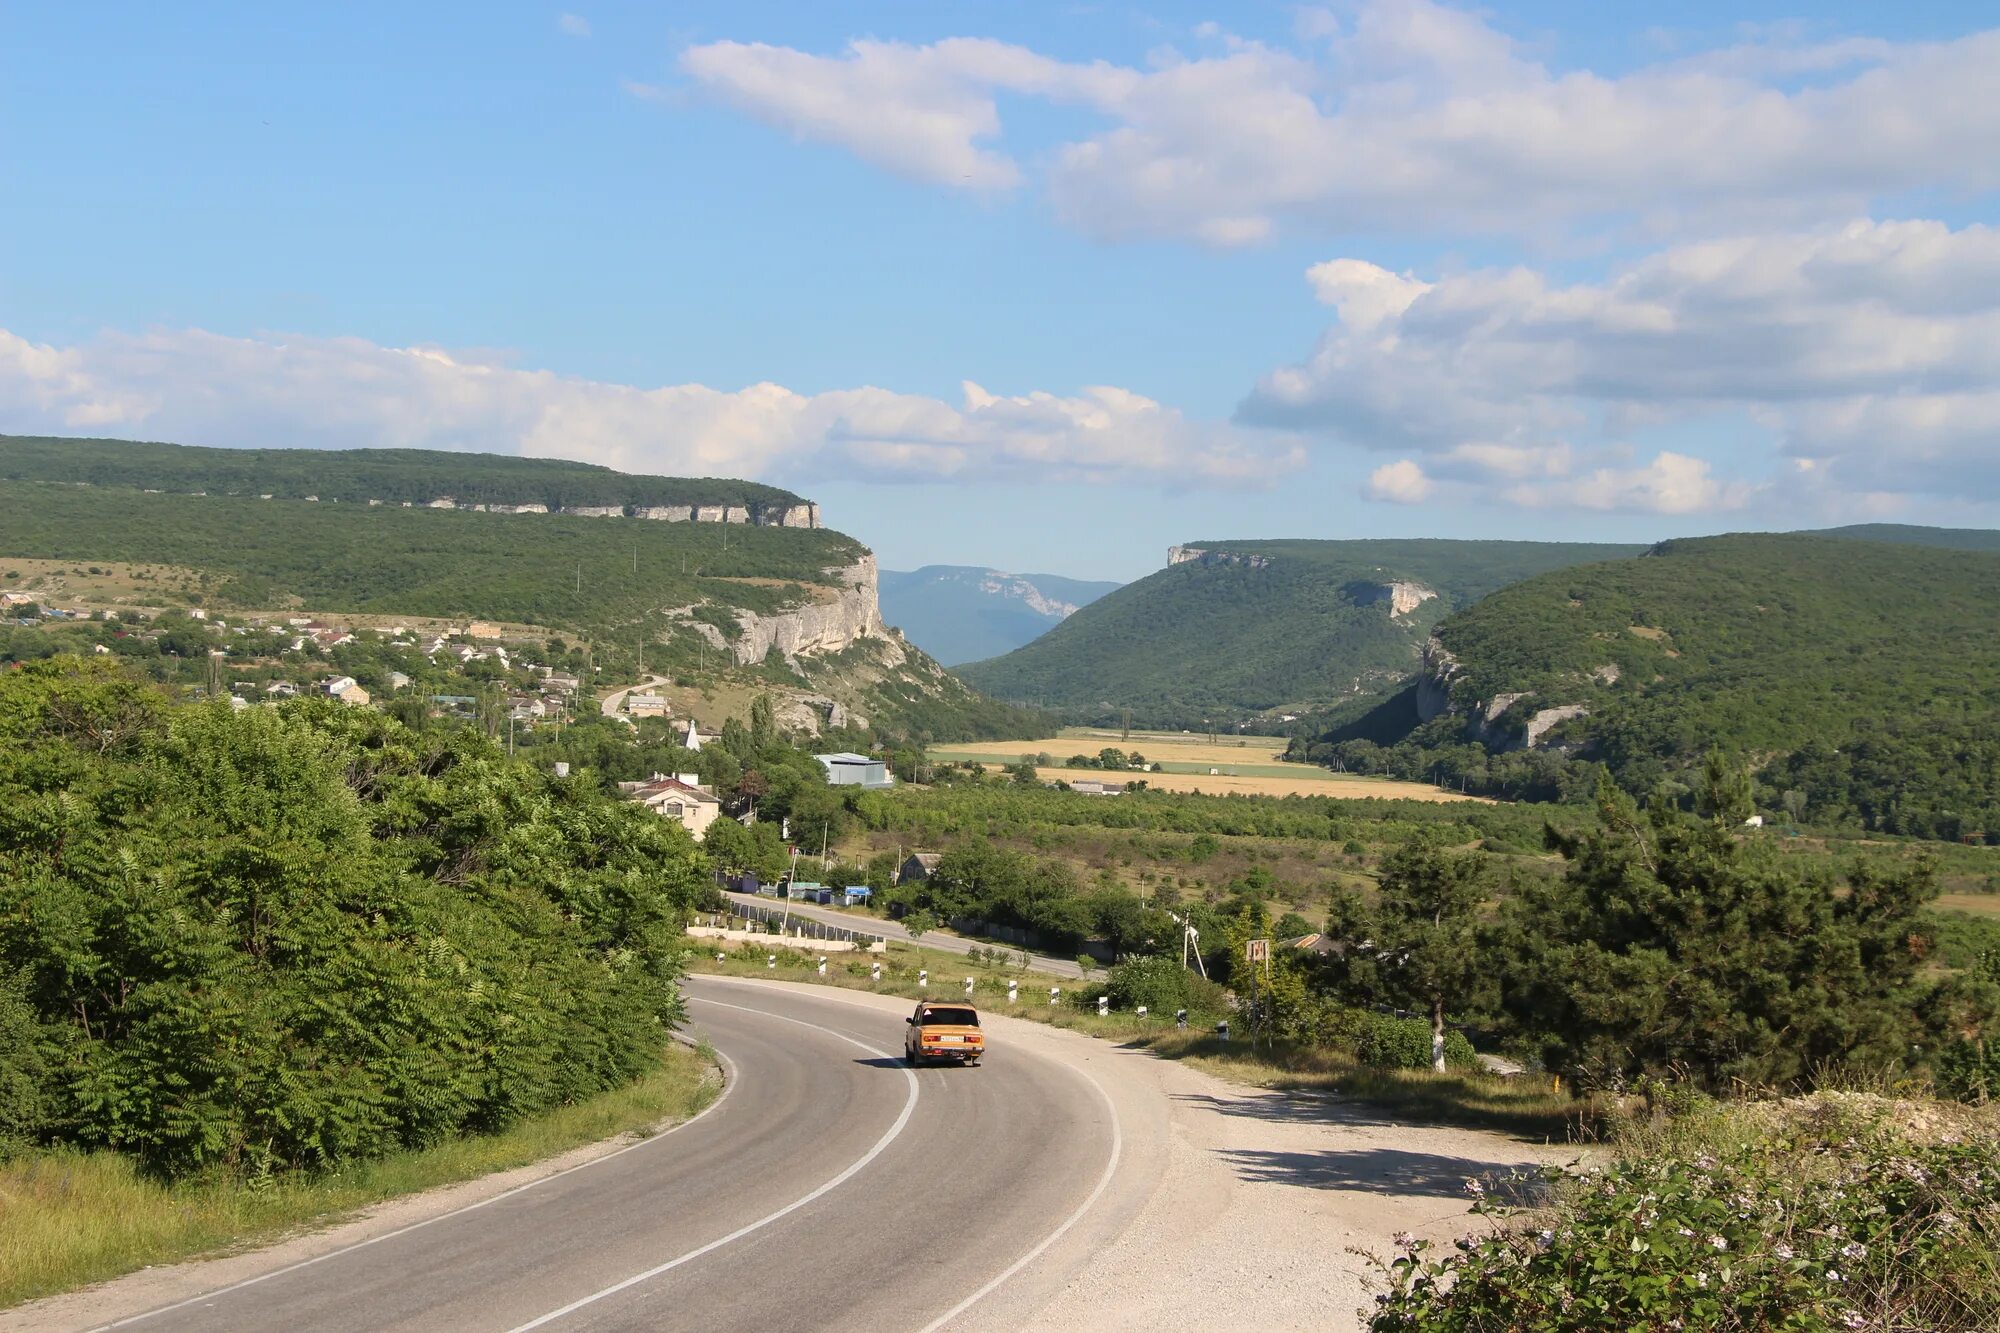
<point x="70" y="1218"/>
<point x="1525" y="1105"/>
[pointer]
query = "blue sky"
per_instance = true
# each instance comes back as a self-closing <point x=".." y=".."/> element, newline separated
<point x="1601" y="279"/>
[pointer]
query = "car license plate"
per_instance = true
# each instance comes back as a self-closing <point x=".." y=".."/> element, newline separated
<point x="949" y="1037"/>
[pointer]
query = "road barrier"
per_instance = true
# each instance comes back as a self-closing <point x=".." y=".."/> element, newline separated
<point x="796" y="926"/>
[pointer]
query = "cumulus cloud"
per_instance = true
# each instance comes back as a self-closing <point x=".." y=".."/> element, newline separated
<point x="206" y="388"/>
<point x="1413" y="115"/>
<point x="573" y="25"/>
<point x="1868" y="352"/>
<point x="1400" y="482"/>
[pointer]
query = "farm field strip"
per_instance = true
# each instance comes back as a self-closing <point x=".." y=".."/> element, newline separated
<point x="1158" y="747"/>
<point x="1303" y="783"/>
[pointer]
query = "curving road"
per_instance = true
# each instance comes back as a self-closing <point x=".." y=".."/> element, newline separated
<point x="941" y="940"/>
<point x="829" y="1187"/>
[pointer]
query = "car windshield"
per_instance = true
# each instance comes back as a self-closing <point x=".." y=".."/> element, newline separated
<point x="965" y="1018"/>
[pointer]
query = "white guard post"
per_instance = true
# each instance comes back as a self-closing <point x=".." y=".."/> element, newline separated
<point x="923" y="978"/>
<point x="1055" y="993"/>
<point x="822" y="967"/>
<point x="1103" y="1005"/>
<point x="968" y="985"/>
<point x="1013" y="990"/>
<point x="1141" y="1011"/>
<point x="770" y="960"/>
<point x="875" y="972"/>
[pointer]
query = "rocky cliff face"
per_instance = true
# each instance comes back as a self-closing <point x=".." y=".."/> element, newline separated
<point x="1438" y="671"/>
<point x="1182" y="555"/>
<point x="1403" y="597"/>
<point x="834" y="620"/>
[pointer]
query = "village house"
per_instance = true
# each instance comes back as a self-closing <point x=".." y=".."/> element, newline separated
<point x="647" y="705"/>
<point x="681" y="798"/>
<point x="1094" y="787"/>
<point x="919" y="866"/>
<point x="348" y="691"/>
<point x="482" y="629"/>
<point x="398" y="681"/>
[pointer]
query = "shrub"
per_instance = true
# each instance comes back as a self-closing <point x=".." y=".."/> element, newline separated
<point x="1820" y="1221"/>
<point x="1405" y="1043"/>
<point x="1162" y="985"/>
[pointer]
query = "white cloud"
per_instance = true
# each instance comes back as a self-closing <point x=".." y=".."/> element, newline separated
<point x="574" y="25"/>
<point x="1401" y="482"/>
<point x="1413" y="116"/>
<point x="206" y="388"/>
<point x="1871" y="351"/>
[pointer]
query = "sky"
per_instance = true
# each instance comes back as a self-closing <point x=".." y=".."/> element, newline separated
<point x="1042" y="286"/>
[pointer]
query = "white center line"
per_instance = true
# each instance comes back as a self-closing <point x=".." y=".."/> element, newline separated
<point x="909" y="1108"/>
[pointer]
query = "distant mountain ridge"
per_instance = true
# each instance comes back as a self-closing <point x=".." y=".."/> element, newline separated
<point x="963" y="613"/>
<point x="1231" y="630"/>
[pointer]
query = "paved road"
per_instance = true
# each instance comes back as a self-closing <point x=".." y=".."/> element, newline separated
<point x="933" y="939"/>
<point x="615" y="701"/>
<point x="829" y="1188"/>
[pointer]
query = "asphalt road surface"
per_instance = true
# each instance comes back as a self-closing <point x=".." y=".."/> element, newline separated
<point x="830" y="1187"/>
<point x="891" y="930"/>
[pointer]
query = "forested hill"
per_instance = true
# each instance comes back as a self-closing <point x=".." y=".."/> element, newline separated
<point x="1234" y="629"/>
<point x="356" y="476"/>
<point x="1862" y="677"/>
<point x="785" y="607"/>
<point x="1904" y="534"/>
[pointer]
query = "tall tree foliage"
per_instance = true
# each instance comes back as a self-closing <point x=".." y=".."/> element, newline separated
<point x="1427" y="932"/>
<point x="280" y="939"/>
<point x="1675" y="946"/>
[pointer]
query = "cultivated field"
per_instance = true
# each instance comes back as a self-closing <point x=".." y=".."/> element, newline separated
<point x="1248" y="765"/>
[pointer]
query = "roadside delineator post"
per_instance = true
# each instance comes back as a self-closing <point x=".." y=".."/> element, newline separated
<point x="770" y="960"/>
<point x="1103" y="1005"/>
<point x="822" y="967"/>
<point x="1055" y="993"/>
<point x="1141" y="1011"/>
<point x="875" y="972"/>
<point x="923" y="978"/>
<point x="718" y="955"/>
<point x="968" y="987"/>
<point x="1180" y="1018"/>
<point x="1013" y="990"/>
<point x="1222" y="1029"/>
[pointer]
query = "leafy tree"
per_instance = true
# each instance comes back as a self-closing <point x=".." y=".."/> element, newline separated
<point x="1427" y="922"/>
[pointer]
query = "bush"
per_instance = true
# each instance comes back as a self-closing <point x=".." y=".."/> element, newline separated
<point x="1821" y="1220"/>
<point x="1405" y="1043"/>
<point x="1162" y="985"/>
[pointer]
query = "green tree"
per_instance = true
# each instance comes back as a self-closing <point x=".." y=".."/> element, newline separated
<point x="1427" y="921"/>
<point x="1675" y="945"/>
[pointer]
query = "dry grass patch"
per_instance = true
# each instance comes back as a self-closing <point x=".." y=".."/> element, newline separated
<point x="71" y="1218"/>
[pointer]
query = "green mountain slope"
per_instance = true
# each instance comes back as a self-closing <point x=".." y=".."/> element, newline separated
<point x="964" y="613"/>
<point x="1243" y="628"/>
<point x="788" y="606"/>
<point x="392" y="476"/>
<point x="1862" y="675"/>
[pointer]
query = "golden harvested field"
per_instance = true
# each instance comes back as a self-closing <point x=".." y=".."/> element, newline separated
<point x="1159" y="746"/>
<point x="1339" y="786"/>
<point x="1978" y="904"/>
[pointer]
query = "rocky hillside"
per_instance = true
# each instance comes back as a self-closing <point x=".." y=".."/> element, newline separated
<point x="792" y="607"/>
<point x="1258" y="629"/>
<point x="963" y="613"/>
<point x="1860" y="676"/>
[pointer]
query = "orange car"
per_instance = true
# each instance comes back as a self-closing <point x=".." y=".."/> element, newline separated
<point x="944" y="1032"/>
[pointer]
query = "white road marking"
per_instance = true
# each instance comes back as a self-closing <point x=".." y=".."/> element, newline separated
<point x="1103" y="1183"/>
<point x="909" y="1108"/>
<point x="728" y="1086"/>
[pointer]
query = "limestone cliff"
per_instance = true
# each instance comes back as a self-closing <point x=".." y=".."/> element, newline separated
<point x="1438" y="671"/>
<point x="1183" y="555"/>
<point x="831" y="620"/>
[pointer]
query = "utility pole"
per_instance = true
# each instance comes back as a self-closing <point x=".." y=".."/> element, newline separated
<point x="579" y="578"/>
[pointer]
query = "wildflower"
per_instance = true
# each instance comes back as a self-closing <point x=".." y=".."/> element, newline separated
<point x="1853" y="1250"/>
<point x="1545" y="1239"/>
<point x="1403" y="1240"/>
<point x="1833" y="1275"/>
<point x="1475" y="1188"/>
<point x="1701" y="1280"/>
<point x="1782" y="1250"/>
<point x="1717" y="1243"/>
<point x="1683" y="1231"/>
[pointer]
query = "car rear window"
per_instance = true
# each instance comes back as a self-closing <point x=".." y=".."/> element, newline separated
<point x="965" y="1018"/>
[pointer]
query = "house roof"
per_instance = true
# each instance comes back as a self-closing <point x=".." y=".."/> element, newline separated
<point x="652" y="791"/>
<point x="845" y="757"/>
